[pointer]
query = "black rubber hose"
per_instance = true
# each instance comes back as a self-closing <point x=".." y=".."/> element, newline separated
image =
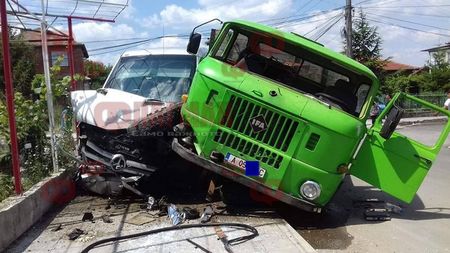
<point x="254" y="233"/>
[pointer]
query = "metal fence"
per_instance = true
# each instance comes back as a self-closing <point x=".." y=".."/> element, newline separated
<point x="413" y="109"/>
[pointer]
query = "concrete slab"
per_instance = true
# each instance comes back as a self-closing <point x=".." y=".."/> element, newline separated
<point x="275" y="235"/>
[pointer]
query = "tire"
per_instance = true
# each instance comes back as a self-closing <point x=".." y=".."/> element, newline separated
<point x="159" y="123"/>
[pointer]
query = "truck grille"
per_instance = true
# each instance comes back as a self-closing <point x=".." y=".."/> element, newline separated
<point x="279" y="129"/>
<point x="249" y="148"/>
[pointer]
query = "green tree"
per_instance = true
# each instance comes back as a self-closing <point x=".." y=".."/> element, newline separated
<point x="97" y="72"/>
<point x="366" y="44"/>
<point x="23" y="65"/>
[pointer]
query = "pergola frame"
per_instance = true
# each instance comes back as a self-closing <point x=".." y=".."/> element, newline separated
<point x="22" y="12"/>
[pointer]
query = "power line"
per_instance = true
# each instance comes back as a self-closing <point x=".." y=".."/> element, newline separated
<point x="416" y="14"/>
<point x="408" y="28"/>
<point x="409" y="6"/>
<point x="328" y="28"/>
<point x="322" y="25"/>
<point x="407" y="21"/>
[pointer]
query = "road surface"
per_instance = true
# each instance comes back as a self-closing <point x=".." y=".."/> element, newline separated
<point x="423" y="226"/>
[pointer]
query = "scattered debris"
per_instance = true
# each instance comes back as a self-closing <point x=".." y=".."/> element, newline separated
<point x="88" y="216"/>
<point x="57" y="228"/>
<point x="86" y="237"/>
<point x="190" y="213"/>
<point x="174" y="215"/>
<point x="207" y="214"/>
<point x="75" y="234"/>
<point x="140" y="219"/>
<point x="393" y="208"/>
<point x="106" y="218"/>
<point x="377" y="214"/>
<point x="151" y="203"/>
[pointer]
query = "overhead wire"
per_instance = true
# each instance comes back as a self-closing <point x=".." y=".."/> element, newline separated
<point x="408" y="28"/>
<point x="327" y="29"/>
<point x="407" y="21"/>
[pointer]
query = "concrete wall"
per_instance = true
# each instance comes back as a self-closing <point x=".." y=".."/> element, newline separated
<point x="18" y="214"/>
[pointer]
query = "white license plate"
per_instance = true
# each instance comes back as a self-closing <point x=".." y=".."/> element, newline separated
<point x="240" y="163"/>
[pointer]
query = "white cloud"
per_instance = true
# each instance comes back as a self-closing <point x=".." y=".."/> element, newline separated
<point x="178" y="17"/>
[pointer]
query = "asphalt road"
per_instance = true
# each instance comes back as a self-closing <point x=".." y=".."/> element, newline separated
<point x="422" y="226"/>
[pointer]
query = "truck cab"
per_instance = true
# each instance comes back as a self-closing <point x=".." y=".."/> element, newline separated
<point x="286" y="116"/>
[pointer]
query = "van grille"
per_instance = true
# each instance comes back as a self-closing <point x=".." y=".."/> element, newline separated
<point x="279" y="130"/>
<point x="249" y="148"/>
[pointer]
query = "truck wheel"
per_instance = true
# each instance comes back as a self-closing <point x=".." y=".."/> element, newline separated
<point x="235" y="194"/>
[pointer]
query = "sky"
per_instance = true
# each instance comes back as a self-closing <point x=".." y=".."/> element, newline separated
<point x="405" y="26"/>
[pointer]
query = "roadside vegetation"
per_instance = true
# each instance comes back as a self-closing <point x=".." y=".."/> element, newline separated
<point x="433" y="80"/>
<point x="32" y="117"/>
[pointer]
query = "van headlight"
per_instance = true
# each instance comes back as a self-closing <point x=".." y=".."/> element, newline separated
<point x="310" y="190"/>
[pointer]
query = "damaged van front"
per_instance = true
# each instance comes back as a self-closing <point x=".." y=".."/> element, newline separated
<point x="124" y="127"/>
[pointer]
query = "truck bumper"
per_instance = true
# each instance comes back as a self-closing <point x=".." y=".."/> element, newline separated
<point x="253" y="184"/>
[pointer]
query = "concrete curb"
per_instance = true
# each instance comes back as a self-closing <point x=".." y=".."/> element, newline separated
<point x="18" y="214"/>
<point x="421" y="120"/>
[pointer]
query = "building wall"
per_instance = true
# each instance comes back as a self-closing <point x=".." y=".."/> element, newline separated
<point x="447" y="55"/>
<point x="65" y="70"/>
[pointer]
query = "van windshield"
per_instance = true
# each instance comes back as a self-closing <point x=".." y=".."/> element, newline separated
<point x="293" y="66"/>
<point x="159" y="77"/>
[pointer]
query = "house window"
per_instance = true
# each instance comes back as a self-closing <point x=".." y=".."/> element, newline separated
<point x="56" y="54"/>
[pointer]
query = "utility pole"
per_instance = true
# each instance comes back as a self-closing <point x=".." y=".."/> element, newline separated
<point x="348" y="28"/>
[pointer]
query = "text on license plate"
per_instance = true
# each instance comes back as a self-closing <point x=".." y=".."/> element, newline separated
<point x="240" y="163"/>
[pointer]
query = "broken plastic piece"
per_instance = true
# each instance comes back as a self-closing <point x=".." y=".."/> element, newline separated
<point x="75" y="234"/>
<point x="207" y="214"/>
<point x="377" y="214"/>
<point x="106" y="218"/>
<point x="88" y="216"/>
<point x="175" y="217"/>
<point x="151" y="203"/>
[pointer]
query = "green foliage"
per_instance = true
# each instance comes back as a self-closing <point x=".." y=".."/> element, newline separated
<point x="97" y="72"/>
<point x="366" y="44"/>
<point x="436" y="79"/>
<point x="6" y="186"/>
<point x="23" y="66"/>
<point x="32" y="124"/>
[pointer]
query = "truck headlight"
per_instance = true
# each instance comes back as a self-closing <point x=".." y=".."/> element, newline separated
<point x="310" y="190"/>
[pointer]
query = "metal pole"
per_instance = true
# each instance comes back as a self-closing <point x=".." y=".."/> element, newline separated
<point x="348" y="28"/>
<point x="70" y="54"/>
<point x="46" y="64"/>
<point x="10" y="99"/>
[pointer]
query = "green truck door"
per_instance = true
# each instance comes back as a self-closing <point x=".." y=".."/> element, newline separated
<point x="397" y="165"/>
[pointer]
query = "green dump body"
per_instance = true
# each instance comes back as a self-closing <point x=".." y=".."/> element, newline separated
<point x="295" y="136"/>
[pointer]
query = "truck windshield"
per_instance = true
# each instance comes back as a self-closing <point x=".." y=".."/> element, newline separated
<point x="159" y="77"/>
<point x="293" y="66"/>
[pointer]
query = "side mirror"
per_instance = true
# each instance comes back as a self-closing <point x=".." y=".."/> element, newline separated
<point x="391" y="122"/>
<point x="194" y="43"/>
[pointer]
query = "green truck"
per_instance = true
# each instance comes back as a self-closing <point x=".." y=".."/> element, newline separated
<point x="297" y="111"/>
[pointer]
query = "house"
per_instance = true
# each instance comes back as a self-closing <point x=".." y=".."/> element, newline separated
<point x="444" y="49"/>
<point x="57" y="47"/>
<point x="392" y="67"/>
